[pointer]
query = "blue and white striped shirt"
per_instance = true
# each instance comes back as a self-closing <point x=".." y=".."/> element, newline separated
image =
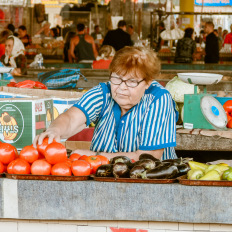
<point x="149" y="125"/>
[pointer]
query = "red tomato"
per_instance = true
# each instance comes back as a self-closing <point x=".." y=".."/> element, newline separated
<point x="228" y="106"/>
<point x="5" y="167"/>
<point x="21" y="167"/>
<point x="29" y="153"/>
<point x="94" y="161"/>
<point x="7" y="153"/>
<point x="10" y="166"/>
<point x="41" y="167"/>
<point x="69" y="162"/>
<point x="61" y="169"/>
<point x="229" y="124"/>
<point x="81" y="168"/>
<point x="103" y="159"/>
<point x="1" y="167"/>
<point x="83" y="157"/>
<point x="41" y="148"/>
<point x="228" y="116"/>
<point x="74" y="157"/>
<point x="55" y="153"/>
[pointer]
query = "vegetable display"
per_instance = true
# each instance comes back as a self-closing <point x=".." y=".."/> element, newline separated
<point x="47" y="159"/>
<point x="201" y="171"/>
<point x="147" y="167"/>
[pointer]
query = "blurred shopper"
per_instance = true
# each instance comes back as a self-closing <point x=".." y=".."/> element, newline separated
<point x="14" y="56"/>
<point x="118" y="38"/>
<point x="224" y="33"/>
<point x="106" y="54"/>
<point x="54" y="32"/>
<point x="25" y="38"/>
<point x="228" y="37"/>
<point x="82" y="46"/>
<point x="44" y="31"/>
<point x="68" y="37"/>
<point x="220" y="42"/>
<point x="211" y="44"/>
<point x="220" y="33"/>
<point x="97" y="33"/>
<point x="134" y="35"/>
<point x="185" y="47"/>
<point x="3" y="37"/>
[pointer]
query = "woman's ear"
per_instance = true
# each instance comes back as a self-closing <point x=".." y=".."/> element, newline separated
<point x="148" y="84"/>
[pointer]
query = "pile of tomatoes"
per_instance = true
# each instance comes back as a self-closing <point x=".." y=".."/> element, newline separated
<point x="47" y="159"/>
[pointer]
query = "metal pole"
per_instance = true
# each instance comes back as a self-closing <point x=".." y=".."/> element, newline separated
<point x="151" y="30"/>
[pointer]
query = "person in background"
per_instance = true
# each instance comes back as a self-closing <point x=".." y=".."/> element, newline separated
<point x="58" y="30"/>
<point x="134" y="35"/>
<point x="219" y="41"/>
<point x="211" y="44"/>
<point x="54" y="32"/>
<point x="3" y="37"/>
<point x="68" y="37"/>
<point x="97" y="33"/>
<point x="185" y="47"/>
<point x="25" y="38"/>
<point x="220" y="33"/>
<point x="11" y="27"/>
<point x="14" y="56"/>
<point x="97" y="36"/>
<point x="228" y="37"/>
<point x="118" y="38"/>
<point x="44" y="31"/>
<point x="224" y="33"/>
<point x="106" y="54"/>
<point x="82" y="46"/>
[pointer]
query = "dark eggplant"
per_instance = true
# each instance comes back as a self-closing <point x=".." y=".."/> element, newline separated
<point x="186" y="160"/>
<point x="121" y="159"/>
<point x="146" y="163"/>
<point x="121" y="170"/>
<point x="147" y="156"/>
<point x="161" y="172"/>
<point x="183" y="169"/>
<point x="136" y="171"/>
<point x="173" y="161"/>
<point x="105" y="170"/>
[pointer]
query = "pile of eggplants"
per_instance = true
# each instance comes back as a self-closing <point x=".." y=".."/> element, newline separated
<point x="147" y="167"/>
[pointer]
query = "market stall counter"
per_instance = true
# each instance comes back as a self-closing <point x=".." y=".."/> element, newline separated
<point x="93" y="200"/>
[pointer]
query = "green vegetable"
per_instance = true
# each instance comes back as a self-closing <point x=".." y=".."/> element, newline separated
<point x="195" y="174"/>
<point x="211" y="175"/>
<point x="196" y="165"/>
<point x="178" y="89"/>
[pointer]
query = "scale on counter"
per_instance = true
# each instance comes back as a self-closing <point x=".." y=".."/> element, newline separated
<point x="202" y="110"/>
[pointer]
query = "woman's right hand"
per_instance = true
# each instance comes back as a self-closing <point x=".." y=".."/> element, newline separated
<point x="50" y="134"/>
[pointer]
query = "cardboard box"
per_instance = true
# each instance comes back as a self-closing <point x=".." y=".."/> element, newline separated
<point x="73" y="145"/>
<point x="24" y="118"/>
<point x="62" y="100"/>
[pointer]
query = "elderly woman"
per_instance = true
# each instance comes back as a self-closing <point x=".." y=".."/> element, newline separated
<point x="14" y="56"/>
<point x="133" y="113"/>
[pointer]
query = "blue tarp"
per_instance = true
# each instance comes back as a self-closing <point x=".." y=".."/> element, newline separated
<point x="213" y="2"/>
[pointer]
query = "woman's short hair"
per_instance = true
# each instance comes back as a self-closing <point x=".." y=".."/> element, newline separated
<point x="188" y="32"/>
<point x="106" y="51"/>
<point x="136" y="62"/>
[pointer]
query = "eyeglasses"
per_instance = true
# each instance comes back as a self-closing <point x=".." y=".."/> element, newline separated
<point x="129" y="83"/>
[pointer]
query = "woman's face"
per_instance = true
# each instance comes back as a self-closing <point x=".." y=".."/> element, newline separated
<point x="125" y="96"/>
<point x="9" y="46"/>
